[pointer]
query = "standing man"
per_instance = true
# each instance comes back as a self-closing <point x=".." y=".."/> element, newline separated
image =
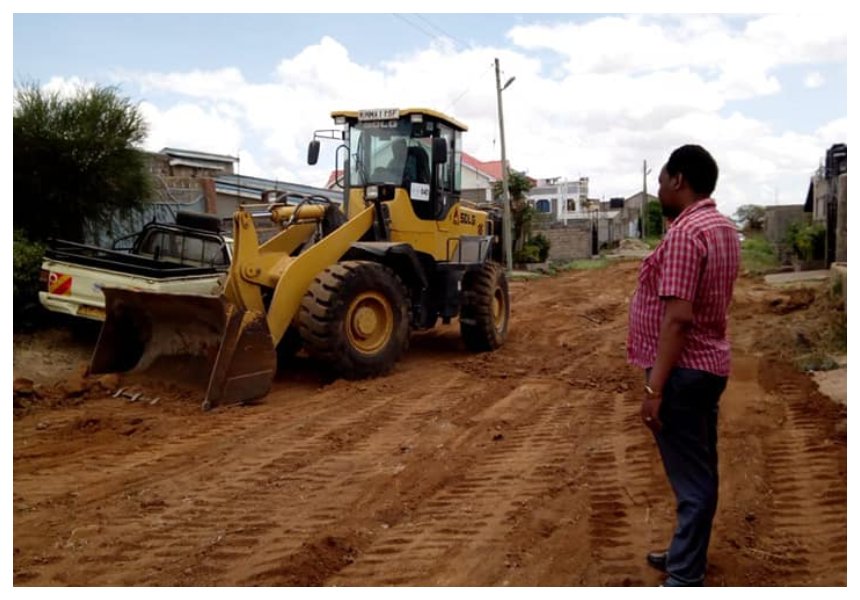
<point x="677" y="334"/>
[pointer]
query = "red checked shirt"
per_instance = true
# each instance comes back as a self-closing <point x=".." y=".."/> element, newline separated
<point x="697" y="261"/>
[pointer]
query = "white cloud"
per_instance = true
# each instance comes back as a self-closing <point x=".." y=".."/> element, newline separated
<point x="628" y="88"/>
<point x="813" y="80"/>
<point x="189" y="126"/>
<point x="67" y="87"/>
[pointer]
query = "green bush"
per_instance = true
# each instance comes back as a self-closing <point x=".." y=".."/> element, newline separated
<point x="529" y="254"/>
<point x="26" y="264"/>
<point x="757" y="254"/>
<point x="806" y="240"/>
<point x="543" y="244"/>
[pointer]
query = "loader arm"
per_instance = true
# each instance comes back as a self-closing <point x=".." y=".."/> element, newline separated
<point x="271" y="266"/>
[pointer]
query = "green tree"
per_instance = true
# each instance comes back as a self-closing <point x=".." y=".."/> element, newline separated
<point x="752" y="217"/>
<point x="653" y="219"/>
<point x="76" y="162"/>
<point x="806" y="240"/>
<point x="26" y="263"/>
<point x="522" y="214"/>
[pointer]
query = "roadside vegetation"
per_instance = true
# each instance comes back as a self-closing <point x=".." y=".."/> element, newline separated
<point x="757" y="254"/>
<point x="76" y="165"/>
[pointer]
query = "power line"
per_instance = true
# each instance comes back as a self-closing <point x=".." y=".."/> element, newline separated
<point x="457" y="42"/>
<point x="432" y="36"/>
<point x="473" y="82"/>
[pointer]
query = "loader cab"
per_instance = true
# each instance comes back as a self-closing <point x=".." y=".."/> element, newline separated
<point x="414" y="150"/>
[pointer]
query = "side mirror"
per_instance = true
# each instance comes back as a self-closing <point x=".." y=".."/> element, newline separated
<point x="440" y="151"/>
<point x="313" y="152"/>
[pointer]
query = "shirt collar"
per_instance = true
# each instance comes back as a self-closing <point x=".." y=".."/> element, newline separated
<point x="695" y="206"/>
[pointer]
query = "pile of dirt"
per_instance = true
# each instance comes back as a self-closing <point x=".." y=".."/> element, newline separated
<point x="632" y="244"/>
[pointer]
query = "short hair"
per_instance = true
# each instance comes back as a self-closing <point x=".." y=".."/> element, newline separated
<point x="697" y="166"/>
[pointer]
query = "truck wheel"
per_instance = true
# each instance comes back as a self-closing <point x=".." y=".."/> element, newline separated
<point x="355" y="319"/>
<point x="485" y="308"/>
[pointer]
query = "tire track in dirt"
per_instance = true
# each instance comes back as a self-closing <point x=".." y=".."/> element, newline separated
<point x="807" y="533"/>
<point x="472" y="511"/>
<point x="525" y="466"/>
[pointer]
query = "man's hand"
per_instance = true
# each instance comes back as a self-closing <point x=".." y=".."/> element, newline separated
<point x="650" y="411"/>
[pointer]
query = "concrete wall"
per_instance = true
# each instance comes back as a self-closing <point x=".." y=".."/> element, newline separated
<point x="475" y="186"/>
<point x="570" y="242"/>
<point x="842" y="219"/>
<point x="778" y="218"/>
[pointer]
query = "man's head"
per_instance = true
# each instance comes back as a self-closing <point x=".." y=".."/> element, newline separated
<point x="398" y="148"/>
<point x="689" y="175"/>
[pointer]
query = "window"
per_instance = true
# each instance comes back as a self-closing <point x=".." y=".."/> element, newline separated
<point x="571" y="205"/>
<point x="542" y="206"/>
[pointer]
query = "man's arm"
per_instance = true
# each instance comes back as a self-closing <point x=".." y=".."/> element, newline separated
<point x="673" y="333"/>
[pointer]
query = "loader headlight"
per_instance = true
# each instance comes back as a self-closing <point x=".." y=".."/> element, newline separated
<point x="371" y="192"/>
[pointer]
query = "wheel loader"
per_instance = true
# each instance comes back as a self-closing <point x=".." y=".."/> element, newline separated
<point x="347" y="284"/>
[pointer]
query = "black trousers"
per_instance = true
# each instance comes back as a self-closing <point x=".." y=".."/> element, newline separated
<point x="688" y="446"/>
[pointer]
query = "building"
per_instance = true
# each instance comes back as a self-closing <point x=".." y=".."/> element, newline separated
<point x="559" y="198"/>
<point x="192" y="181"/>
<point x="828" y="189"/>
<point x="777" y="220"/>
<point x="478" y="177"/>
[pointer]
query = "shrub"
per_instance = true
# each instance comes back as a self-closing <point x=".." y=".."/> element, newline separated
<point x="26" y="263"/>
<point x="806" y="240"/>
<point x="530" y="253"/>
<point x="543" y="244"/>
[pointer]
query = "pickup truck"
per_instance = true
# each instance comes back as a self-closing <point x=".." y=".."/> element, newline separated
<point x="188" y="257"/>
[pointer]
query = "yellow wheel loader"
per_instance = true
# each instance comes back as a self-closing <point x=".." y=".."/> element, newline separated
<point x="345" y="283"/>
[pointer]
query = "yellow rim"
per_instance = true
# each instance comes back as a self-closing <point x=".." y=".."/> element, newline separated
<point x="369" y="322"/>
<point x="499" y="309"/>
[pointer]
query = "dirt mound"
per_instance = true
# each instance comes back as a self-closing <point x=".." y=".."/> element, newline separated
<point x="632" y="244"/>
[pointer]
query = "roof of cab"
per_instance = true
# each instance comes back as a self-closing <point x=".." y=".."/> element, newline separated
<point x="353" y="115"/>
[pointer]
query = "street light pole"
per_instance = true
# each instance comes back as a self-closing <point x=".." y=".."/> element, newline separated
<point x="506" y="193"/>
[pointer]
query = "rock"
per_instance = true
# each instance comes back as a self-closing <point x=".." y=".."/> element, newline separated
<point x="109" y="382"/>
<point x="23" y="387"/>
<point x="74" y="386"/>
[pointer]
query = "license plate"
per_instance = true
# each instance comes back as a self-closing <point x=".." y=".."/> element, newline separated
<point x="93" y="312"/>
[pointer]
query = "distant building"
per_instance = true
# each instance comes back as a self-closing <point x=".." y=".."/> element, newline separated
<point x="828" y="190"/>
<point x="777" y="220"/>
<point x="559" y="198"/>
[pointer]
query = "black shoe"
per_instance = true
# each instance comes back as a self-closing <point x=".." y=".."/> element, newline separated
<point x="657" y="560"/>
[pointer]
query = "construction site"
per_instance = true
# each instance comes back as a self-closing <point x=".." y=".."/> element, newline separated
<point x="366" y="393"/>
<point x="526" y="466"/>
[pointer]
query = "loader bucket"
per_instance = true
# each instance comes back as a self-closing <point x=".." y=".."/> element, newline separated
<point x="200" y="342"/>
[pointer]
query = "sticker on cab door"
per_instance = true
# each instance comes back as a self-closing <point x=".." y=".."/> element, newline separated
<point x="419" y="191"/>
<point x="60" y="284"/>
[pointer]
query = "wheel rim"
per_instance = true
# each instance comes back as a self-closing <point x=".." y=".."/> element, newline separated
<point x="499" y="309"/>
<point x="369" y="322"/>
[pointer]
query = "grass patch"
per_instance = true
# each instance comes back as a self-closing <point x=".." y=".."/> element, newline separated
<point x="652" y="241"/>
<point x="758" y="256"/>
<point x="580" y="265"/>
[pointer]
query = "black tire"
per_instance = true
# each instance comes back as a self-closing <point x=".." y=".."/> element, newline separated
<point x="485" y="308"/>
<point x="289" y="345"/>
<point x="354" y="319"/>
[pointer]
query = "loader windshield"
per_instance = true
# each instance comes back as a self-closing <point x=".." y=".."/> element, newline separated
<point x="395" y="152"/>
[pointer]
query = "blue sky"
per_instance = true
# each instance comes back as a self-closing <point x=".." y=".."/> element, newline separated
<point x="595" y="93"/>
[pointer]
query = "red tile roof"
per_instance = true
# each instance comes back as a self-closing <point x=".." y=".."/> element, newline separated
<point x="332" y="178"/>
<point x="492" y="169"/>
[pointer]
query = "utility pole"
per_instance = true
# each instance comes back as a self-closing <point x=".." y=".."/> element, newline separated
<point x="506" y="193"/>
<point x="645" y="172"/>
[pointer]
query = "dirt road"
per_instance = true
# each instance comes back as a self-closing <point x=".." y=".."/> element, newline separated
<point x="527" y="466"/>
